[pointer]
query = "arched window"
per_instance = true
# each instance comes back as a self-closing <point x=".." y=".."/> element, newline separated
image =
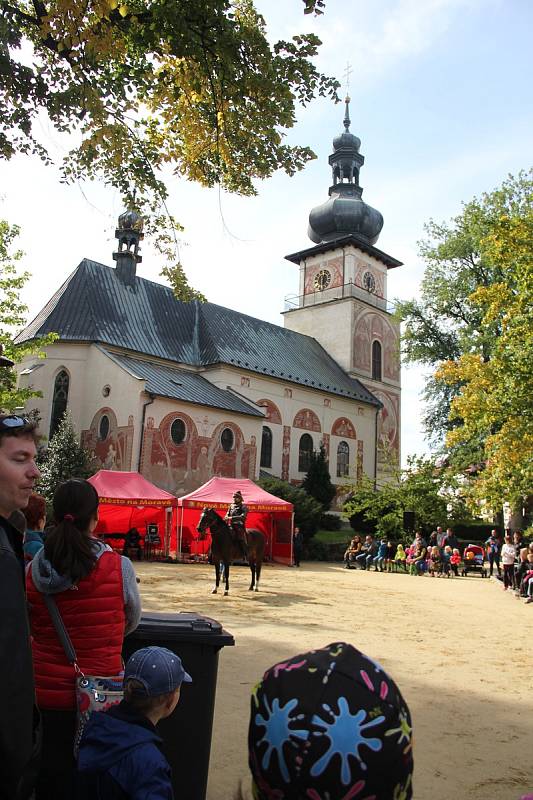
<point x="178" y="431"/>
<point x="376" y="361"/>
<point x="343" y="460"/>
<point x="59" y="400"/>
<point x="227" y="439"/>
<point x="304" y="453"/>
<point x="103" y="428"/>
<point x="266" y="448"/>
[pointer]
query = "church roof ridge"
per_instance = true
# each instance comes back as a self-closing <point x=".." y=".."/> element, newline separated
<point x="93" y="305"/>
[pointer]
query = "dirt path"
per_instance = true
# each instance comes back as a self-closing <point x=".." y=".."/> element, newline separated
<point x="458" y="648"/>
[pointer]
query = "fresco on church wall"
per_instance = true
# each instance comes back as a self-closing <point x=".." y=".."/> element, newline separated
<point x="359" y="463"/>
<point x="325" y="442"/>
<point x="388" y="429"/>
<point x="181" y="467"/>
<point x="368" y="328"/>
<point x="362" y="267"/>
<point x="307" y="420"/>
<point x="286" y="453"/>
<point x="344" y="428"/>
<point x="272" y="411"/>
<point x="333" y="266"/>
<point x="109" y="444"/>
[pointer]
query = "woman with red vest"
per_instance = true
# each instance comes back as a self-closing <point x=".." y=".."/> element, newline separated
<point x="96" y="592"/>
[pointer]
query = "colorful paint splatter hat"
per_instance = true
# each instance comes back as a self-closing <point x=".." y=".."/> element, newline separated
<point x="330" y="725"/>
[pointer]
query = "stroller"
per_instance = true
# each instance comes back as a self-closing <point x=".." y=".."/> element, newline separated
<point x="474" y="560"/>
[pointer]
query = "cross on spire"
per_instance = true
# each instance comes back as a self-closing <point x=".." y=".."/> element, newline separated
<point x="347" y="72"/>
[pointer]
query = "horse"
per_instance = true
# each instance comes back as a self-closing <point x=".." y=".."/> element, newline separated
<point x="225" y="549"/>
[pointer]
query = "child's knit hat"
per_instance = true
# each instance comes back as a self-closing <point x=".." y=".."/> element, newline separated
<point x="330" y="725"/>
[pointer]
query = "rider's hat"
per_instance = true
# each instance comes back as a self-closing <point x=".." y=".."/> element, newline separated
<point x="237" y="493"/>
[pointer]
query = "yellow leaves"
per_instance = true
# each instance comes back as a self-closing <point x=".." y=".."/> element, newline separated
<point x="123" y="11"/>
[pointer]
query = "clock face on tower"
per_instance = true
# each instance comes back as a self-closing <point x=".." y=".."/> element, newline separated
<point x="322" y="280"/>
<point x="369" y="282"/>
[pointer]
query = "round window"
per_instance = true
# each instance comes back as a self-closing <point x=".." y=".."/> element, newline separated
<point x="103" y="430"/>
<point x="178" y="431"/>
<point x="227" y="439"/>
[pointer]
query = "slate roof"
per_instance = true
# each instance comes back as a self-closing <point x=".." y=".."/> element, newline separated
<point x="93" y="305"/>
<point x="182" y="384"/>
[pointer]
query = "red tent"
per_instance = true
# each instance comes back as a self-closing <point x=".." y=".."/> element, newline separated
<point x="266" y="512"/>
<point x="127" y="500"/>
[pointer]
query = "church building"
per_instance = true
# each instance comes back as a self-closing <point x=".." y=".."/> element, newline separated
<point x="182" y="392"/>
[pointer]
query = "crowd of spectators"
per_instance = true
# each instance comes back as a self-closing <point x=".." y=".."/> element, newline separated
<point x="440" y="555"/>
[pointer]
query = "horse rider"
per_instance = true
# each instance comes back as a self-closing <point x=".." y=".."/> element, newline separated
<point x="236" y="516"/>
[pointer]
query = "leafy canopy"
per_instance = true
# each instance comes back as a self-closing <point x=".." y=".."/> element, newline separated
<point x="307" y="510"/>
<point x="421" y="487"/>
<point x="447" y="321"/>
<point x="142" y="85"/>
<point x="317" y="481"/>
<point x="12" y="318"/>
<point x="494" y="402"/>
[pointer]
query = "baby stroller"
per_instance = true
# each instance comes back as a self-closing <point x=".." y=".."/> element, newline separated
<point x="474" y="560"/>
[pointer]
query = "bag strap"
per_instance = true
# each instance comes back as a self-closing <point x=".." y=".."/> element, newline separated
<point x="61" y="631"/>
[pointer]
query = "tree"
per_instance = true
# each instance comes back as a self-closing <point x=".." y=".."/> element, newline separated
<point x="65" y="458"/>
<point x="13" y="317"/>
<point x="307" y="511"/>
<point x="151" y="84"/>
<point x="317" y="482"/>
<point x="494" y="402"/>
<point x="421" y="487"/>
<point x="447" y="321"/>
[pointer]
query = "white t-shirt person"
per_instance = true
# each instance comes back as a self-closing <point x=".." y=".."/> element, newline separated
<point x="508" y="553"/>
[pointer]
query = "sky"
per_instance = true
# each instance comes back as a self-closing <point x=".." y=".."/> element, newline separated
<point x="441" y="100"/>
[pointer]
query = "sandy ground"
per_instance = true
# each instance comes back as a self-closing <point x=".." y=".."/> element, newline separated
<point x="460" y="650"/>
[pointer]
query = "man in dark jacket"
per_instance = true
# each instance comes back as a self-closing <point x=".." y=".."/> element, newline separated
<point x="18" y="473"/>
<point x="120" y="754"/>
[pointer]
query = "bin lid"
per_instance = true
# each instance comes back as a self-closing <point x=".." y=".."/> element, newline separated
<point x="182" y="626"/>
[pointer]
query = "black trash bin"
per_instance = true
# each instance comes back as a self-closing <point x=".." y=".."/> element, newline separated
<point x="187" y="732"/>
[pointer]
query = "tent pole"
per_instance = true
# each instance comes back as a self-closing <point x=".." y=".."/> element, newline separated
<point x="181" y="533"/>
<point x="292" y="539"/>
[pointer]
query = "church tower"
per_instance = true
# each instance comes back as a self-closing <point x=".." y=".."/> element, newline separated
<point x="343" y="290"/>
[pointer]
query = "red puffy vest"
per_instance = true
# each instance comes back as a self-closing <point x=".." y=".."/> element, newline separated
<point x="93" y="614"/>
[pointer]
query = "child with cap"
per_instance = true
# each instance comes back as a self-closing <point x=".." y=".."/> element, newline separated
<point x="120" y="755"/>
<point x="330" y="724"/>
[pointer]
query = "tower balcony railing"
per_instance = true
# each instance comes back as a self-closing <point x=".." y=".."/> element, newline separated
<point x="294" y="302"/>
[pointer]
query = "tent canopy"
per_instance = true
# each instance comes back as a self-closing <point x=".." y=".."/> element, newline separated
<point x="129" y="489"/>
<point x="218" y="493"/>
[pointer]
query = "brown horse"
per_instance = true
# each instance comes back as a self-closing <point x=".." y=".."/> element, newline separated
<point x="225" y="549"/>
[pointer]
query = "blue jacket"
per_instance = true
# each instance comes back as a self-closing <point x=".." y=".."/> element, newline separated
<point x="120" y="758"/>
<point x="33" y="541"/>
<point x="382" y="550"/>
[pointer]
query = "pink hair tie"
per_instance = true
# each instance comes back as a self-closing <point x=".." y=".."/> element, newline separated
<point x="68" y="518"/>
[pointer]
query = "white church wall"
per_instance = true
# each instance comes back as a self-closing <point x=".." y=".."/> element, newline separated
<point x="293" y="410"/>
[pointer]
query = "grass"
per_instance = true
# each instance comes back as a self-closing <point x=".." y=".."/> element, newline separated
<point x="333" y="537"/>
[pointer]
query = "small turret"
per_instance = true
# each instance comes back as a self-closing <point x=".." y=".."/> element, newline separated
<point x="129" y="234"/>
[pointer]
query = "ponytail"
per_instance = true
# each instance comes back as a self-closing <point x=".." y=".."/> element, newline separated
<point x="68" y="546"/>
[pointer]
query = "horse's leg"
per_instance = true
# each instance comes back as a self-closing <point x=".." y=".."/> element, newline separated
<point x="216" y="562"/>
<point x="257" y="573"/>
<point x="252" y="570"/>
<point x="226" y="575"/>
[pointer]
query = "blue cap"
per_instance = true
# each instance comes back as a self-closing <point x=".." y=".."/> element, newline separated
<point x="159" y="670"/>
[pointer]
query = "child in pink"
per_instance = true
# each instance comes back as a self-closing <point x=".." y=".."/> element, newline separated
<point x="455" y="560"/>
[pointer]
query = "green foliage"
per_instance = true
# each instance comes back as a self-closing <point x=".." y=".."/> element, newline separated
<point x="446" y="321"/>
<point x="493" y="404"/>
<point x="330" y="522"/>
<point x="13" y="317"/>
<point x="144" y="85"/>
<point x="179" y="284"/>
<point x="307" y="511"/>
<point x="317" y="482"/>
<point x="64" y="458"/>
<point x="421" y="487"/>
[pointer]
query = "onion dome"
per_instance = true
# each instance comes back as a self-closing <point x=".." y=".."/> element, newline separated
<point x="345" y="213"/>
